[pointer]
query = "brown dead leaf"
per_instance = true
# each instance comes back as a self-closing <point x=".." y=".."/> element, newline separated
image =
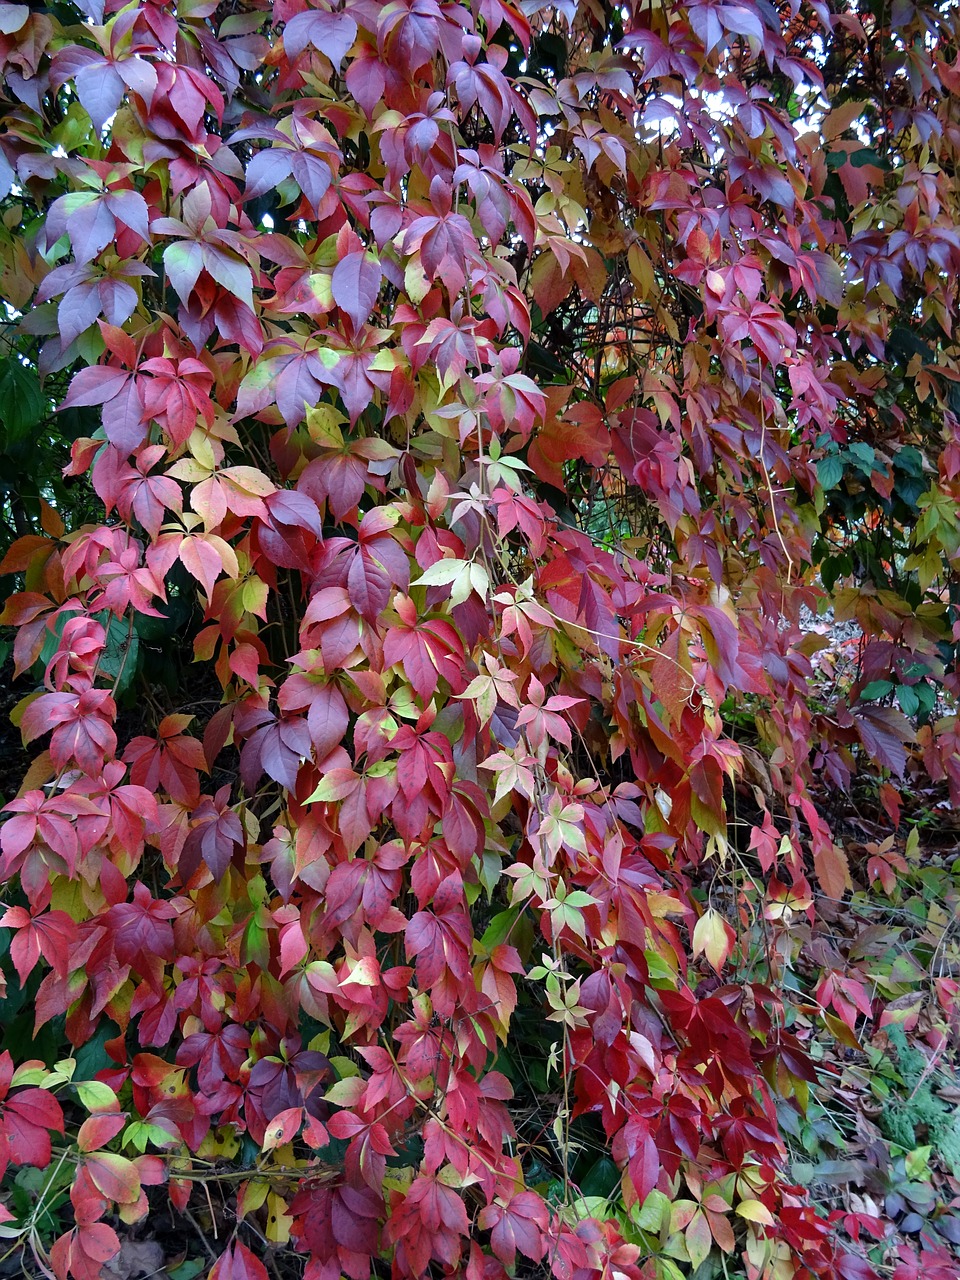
<point x="136" y="1258"/>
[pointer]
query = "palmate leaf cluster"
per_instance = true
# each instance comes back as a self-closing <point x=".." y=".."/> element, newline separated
<point x="431" y="434"/>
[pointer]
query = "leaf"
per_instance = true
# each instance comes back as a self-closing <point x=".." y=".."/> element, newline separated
<point x="238" y="1263"/>
<point x="521" y="1224"/>
<point x="713" y="936"/>
<point x="115" y="1177"/>
<point x="96" y="1131"/>
<point x="22" y="404"/>
<point x="833" y="870"/>
<point x="97" y="1096"/>
<point x="12" y="18"/>
<point x="441" y="573"/>
<point x="183" y="261"/>
<point x="876" y="689"/>
<point x="830" y="471"/>
<point x="699" y="1239"/>
<point x="83" y="1251"/>
<point x="883" y="731"/>
<point x="839" y="119"/>
<point x="331" y="33"/>
<point x="29" y="1116"/>
<point x="755" y="1211"/>
<point x="266" y="170"/>
<point x="96" y="385"/>
<point x="356" y="286"/>
<point x="283" y="1128"/>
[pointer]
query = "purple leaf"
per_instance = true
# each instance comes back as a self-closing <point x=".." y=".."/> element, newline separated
<point x="68" y="63"/>
<point x="90" y="225"/>
<point x="356" y="285"/>
<point x="95" y="385"/>
<point x="12" y="17"/>
<point x="62" y="280"/>
<point x="119" y="300"/>
<point x="312" y="175"/>
<point x="883" y="731"/>
<point x="297" y="386"/>
<point x="123" y="419"/>
<point x="130" y="208"/>
<point x="6" y="175"/>
<point x="267" y="170"/>
<point x="139" y="76"/>
<point x="290" y="507"/>
<point x="234" y="276"/>
<point x="100" y="91"/>
<point x="184" y="262"/>
<point x="78" y="310"/>
<point x="259" y="388"/>
<point x="331" y="33"/>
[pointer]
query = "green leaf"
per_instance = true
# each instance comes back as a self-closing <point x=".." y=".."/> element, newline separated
<point x="441" y="573"/>
<point x="660" y="972"/>
<point x="139" y="1135"/>
<point x="867" y="155"/>
<point x="916" y="1162"/>
<point x="602" y="1179"/>
<point x="830" y="471"/>
<point x="927" y="696"/>
<point x="864" y="457"/>
<point x="650" y="1215"/>
<point x="22" y="403"/>
<point x="909" y="460"/>
<point x="95" y="1095"/>
<point x="876" y="689"/>
<point x="190" y="1269"/>
<point x="908" y="699"/>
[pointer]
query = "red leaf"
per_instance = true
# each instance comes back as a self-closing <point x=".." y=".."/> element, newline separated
<point x="238" y="1263"/>
<point x="96" y="1131"/>
<point x="171" y="761"/>
<point x="115" y="1177"/>
<point x="28" y="1115"/>
<point x="83" y="1251"/>
<point x="520" y="1224"/>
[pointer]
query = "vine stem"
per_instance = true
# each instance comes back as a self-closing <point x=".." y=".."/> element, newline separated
<point x="766" y="473"/>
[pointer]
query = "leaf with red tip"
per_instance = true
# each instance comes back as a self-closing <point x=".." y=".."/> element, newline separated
<point x="96" y="1131"/>
<point x="115" y="1177"/>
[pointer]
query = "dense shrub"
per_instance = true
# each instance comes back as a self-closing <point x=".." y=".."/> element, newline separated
<point x="437" y="740"/>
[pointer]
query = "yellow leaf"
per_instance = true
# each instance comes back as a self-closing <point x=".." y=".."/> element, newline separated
<point x="755" y="1211"/>
<point x="279" y="1221"/>
<point x="842" y="1032"/>
<point x="661" y="904"/>
<point x="713" y="937"/>
<point x="323" y="426"/>
<point x="251" y="1196"/>
<point x="641" y="269"/>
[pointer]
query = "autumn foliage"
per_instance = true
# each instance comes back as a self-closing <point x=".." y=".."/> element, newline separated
<point x="481" y="400"/>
